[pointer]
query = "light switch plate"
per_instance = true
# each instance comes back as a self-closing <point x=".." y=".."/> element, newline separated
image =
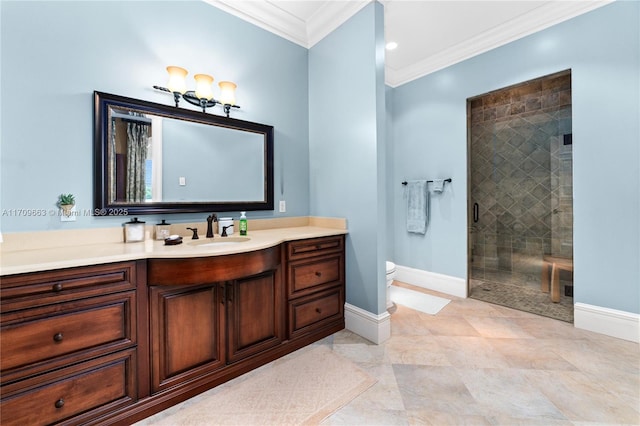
<point x="283" y="206"/>
<point x="182" y="181"/>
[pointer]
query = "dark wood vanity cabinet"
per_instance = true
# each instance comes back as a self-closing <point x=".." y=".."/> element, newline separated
<point x="68" y="344"/>
<point x="199" y="329"/>
<point x="115" y="343"/>
<point x="207" y="313"/>
<point x="315" y="284"/>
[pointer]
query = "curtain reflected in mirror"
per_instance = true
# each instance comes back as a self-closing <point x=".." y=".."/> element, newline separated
<point x="130" y="148"/>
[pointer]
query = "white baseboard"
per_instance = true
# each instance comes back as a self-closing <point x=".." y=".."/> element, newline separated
<point x="432" y="281"/>
<point x="620" y="324"/>
<point x="376" y="328"/>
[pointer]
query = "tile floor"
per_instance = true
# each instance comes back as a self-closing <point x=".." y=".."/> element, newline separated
<point x="475" y="363"/>
<point x="522" y="298"/>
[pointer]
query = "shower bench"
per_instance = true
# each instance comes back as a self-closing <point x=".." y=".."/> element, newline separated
<point x="551" y="266"/>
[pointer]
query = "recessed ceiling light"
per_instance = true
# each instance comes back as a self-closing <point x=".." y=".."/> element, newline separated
<point x="391" y="45"/>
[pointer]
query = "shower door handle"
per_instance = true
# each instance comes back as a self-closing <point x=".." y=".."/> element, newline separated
<point x="476" y="212"/>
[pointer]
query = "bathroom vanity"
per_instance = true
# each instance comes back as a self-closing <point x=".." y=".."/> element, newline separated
<point x="140" y="327"/>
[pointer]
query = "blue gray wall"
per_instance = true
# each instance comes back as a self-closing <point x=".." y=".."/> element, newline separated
<point x="56" y="53"/>
<point x="326" y="105"/>
<point x="602" y="49"/>
<point x="347" y="146"/>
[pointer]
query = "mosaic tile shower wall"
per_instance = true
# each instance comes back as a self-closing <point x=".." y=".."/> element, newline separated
<point x="520" y="157"/>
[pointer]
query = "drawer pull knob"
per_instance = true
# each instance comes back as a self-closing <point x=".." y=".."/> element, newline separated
<point x="318" y="246"/>
<point x="59" y="403"/>
<point x="58" y="338"/>
<point x="57" y="287"/>
<point x="318" y="274"/>
<point x="318" y="310"/>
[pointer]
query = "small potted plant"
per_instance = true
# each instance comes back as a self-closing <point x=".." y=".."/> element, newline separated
<point x="66" y="203"/>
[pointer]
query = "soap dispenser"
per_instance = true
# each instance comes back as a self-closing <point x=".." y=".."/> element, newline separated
<point x="243" y="223"/>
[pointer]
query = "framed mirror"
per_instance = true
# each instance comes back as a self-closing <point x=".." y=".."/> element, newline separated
<point x="152" y="158"/>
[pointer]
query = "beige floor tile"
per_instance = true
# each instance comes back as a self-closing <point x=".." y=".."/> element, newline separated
<point x="531" y="354"/>
<point x="405" y="321"/>
<point x="498" y="327"/>
<point x="437" y="418"/>
<point x="470" y="307"/>
<point x="426" y="388"/>
<point x="354" y="416"/>
<point x="362" y="353"/>
<point x="507" y="392"/>
<point x="548" y="328"/>
<point x="471" y="352"/>
<point x="594" y="356"/>
<point x="582" y="399"/>
<point x="418" y="350"/>
<point x="384" y="395"/>
<point x="448" y="326"/>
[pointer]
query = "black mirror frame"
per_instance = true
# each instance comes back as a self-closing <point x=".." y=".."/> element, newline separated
<point x="102" y="101"/>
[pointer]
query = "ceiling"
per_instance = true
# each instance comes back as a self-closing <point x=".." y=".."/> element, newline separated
<point x="431" y="35"/>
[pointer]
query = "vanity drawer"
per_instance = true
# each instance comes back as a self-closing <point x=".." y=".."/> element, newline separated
<point x="85" y="390"/>
<point x="312" y="274"/>
<point x="42" y="288"/>
<point x="302" y="249"/>
<point x="310" y="312"/>
<point x="72" y="330"/>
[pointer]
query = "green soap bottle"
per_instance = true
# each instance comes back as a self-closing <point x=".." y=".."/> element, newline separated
<point x="243" y="223"/>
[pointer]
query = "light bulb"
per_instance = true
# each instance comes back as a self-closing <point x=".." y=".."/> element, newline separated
<point x="203" y="86"/>
<point x="177" y="82"/>
<point x="227" y="92"/>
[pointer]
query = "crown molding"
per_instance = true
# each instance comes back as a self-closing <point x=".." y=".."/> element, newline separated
<point x="538" y="19"/>
<point x="268" y="16"/>
<point x="330" y="16"/>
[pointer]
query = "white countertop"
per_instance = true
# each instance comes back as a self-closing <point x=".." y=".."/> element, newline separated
<point x="47" y="258"/>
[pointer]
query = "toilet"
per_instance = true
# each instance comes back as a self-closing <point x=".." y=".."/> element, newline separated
<point x="391" y="273"/>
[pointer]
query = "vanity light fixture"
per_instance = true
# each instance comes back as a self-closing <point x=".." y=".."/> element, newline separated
<point x="202" y="96"/>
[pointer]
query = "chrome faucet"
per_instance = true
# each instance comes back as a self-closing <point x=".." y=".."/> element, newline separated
<point x="210" y="220"/>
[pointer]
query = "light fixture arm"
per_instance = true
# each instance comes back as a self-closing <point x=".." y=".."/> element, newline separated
<point x="227" y="108"/>
<point x="190" y="97"/>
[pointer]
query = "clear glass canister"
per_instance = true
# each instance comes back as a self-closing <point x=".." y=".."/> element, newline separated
<point x="163" y="230"/>
<point x="134" y="231"/>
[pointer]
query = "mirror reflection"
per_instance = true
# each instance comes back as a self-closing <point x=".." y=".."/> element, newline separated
<point x="159" y="159"/>
<point x="154" y="158"/>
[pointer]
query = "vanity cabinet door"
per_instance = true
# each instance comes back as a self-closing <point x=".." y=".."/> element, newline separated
<point x="186" y="333"/>
<point x="255" y="314"/>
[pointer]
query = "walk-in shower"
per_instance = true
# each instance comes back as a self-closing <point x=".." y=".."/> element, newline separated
<point x="520" y="194"/>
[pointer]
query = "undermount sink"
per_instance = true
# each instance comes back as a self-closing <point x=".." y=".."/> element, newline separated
<point x="218" y="241"/>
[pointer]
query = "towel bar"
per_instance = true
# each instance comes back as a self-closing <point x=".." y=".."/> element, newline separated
<point x="446" y="180"/>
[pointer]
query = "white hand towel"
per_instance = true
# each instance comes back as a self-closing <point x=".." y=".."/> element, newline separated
<point x="438" y="185"/>
<point x="417" y="207"/>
